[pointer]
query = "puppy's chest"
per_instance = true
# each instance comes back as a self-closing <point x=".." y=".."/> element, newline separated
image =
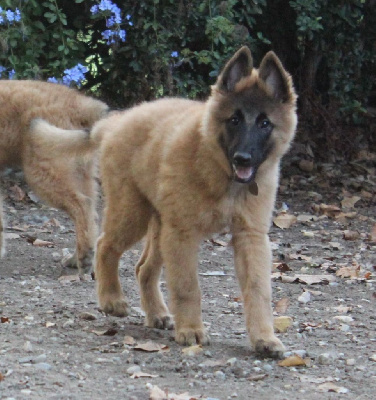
<point x="219" y="215"/>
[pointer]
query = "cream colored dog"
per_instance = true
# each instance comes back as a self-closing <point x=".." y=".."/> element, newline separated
<point x="180" y="170"/>
<point x="64" y="181"/>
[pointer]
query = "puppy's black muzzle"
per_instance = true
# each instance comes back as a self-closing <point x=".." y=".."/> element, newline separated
<point x="242" y="159"/>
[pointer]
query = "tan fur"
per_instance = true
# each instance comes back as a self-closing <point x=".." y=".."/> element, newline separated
<point x="63" y="180"/>
<point x="163" y="172"/>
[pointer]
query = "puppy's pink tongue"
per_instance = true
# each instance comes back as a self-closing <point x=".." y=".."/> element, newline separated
<point x="244" y="172"/>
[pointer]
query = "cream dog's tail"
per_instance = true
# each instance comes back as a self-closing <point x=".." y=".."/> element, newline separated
<point x="63" y="141"/>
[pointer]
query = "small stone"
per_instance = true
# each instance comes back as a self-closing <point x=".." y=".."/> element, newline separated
<point x="301" y="353"/>
<point x="325" y="358"/>
<point x="28" y="347"/>
<point x="344" y="318"/>
<point x="56" y="256"/>
<point x="43" y="366"/>
<point x="232" y="361"/>
<point x="133" y="369"/>
<point x="66" y="253"/>
<point x="267" y="367"/>
<point x="350" y="361"/>
<point x="344" y="328"/>
<point x="39" y="359"/>
<point x="219" y="375"/>
<point x="25" y="360"/>
<point x="69" y="323"/>
<point x="305" y="297"/>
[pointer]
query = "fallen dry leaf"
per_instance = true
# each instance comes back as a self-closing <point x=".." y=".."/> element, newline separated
<point x="294" y="361"/>
<point x="213" y="363"/>
<point x="141" y="374"/>
<point x="343" y="217"/>
<point x="349" y="272"/>
<point x="368" y="275"/>
<point x="42" y="243"/>
<point x="306" y="279"/>
<point x="158" y="394"/>
<point x="315" y="279"/>
<point x="219" y="242"/>
<point x="284" y="220"/>
<point x="69" y="278"/>
<point x="256" y="377"/>
<point x="282" y="323"/>
<point x="151" y="347"/>
<point x="52" y="222"/>
<point x="351" y="235"/>
<point x="107" y="332"/>
<point x="331" y="387"/>
<point x="129" y="341"/>
<point x="282" y="305"/>
<point x="300" y="257"/>
<point x="349" y="202"/>
<point x="343" y="309"/>
<point x="327" y="209"/>
<point x="1" y="377"/>
<point x="306" y="218"/>
<point x="192" y="350"/>
<point x="282" y="267"/>
<point x="373" y="233"/>
<point x="4" y="320"/>
<point x="16" y="193"/>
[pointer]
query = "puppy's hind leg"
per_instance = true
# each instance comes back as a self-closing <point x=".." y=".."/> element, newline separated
<point x="54" y="180"/>
<point x="148" y="271"/>
<point x="86" y="185"/>
<point x="126" y="219"/>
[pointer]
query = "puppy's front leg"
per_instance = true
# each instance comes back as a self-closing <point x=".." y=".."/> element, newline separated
<point x="253" y="266"/>
<point x="179" y="250"/>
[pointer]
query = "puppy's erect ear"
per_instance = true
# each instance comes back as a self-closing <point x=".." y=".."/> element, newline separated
<point x="238" y="67"/>
<point x="277" y="80"/>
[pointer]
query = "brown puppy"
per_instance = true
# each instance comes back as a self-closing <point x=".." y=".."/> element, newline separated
<point x="64" y="181"/>
<point x="180" y="170"/>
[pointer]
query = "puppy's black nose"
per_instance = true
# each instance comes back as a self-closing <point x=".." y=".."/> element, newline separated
<point x="242" y="159"/>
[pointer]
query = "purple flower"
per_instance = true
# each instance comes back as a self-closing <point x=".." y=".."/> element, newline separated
<point x="52" y="80"/>
<point x="175" y="54"/>
<point x="11" y="74"/>
<point x="2" y="69"/>
<point x="74" y="75"/>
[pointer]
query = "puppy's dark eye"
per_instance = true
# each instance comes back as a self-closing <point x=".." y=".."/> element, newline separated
<point x="263" y="121"/>
<point x="235" y="120"/>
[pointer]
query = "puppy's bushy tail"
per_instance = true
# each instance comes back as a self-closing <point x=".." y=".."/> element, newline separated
<point x="61" y="141"/>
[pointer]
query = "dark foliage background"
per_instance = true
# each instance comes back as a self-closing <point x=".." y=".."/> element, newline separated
<point x="176" y="47"/>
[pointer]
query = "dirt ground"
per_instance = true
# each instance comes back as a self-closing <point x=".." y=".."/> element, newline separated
<point x="56" y="344"/>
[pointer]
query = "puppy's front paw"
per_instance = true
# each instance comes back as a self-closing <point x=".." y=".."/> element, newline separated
<point x="160" y="322"/>
<point x="270" y="348"/>
<point x="114" y="305"/>
<point x="190" y="336"/>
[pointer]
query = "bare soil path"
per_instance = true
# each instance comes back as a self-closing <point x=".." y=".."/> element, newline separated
<point x="56" y="344"/>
